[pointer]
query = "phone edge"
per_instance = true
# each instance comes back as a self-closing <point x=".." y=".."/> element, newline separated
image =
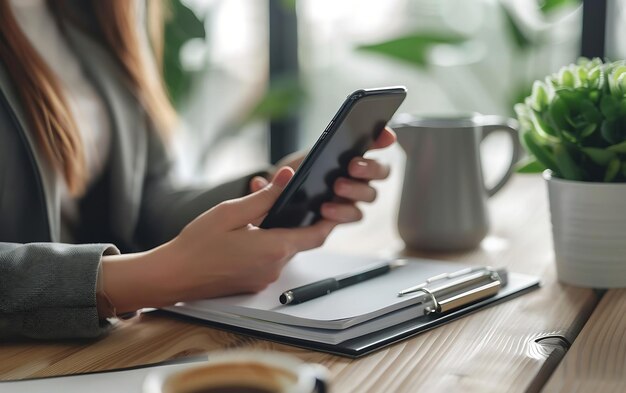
<point x="316" y="149"/>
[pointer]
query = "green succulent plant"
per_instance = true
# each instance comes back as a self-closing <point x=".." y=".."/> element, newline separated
<point x="574" y="122"/>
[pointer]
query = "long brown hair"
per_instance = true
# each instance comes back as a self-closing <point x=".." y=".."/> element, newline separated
<point x="40" y="92"/>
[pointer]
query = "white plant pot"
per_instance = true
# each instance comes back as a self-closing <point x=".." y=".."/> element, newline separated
<point x="589" y="232"/>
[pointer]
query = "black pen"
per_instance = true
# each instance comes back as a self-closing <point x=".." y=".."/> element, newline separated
<point x="328" y="285"/>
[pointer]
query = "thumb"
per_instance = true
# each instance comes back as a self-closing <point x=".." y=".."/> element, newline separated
<point x="246" y="209"/>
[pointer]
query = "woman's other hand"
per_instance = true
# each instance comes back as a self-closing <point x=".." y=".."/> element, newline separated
<point x="221" y="252"/>
<point x="351" y="190"/>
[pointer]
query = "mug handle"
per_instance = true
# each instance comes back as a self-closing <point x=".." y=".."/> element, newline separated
<point x="321" y="385"/>
<point x="492" y="124"/>
<point x="320" y="373"/>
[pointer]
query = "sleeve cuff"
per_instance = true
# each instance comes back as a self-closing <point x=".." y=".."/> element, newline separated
<point x="63" y="303"/>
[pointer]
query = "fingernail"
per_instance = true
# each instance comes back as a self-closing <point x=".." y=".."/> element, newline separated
<point x="361" y="167"/>
<point x="260" y="182"/>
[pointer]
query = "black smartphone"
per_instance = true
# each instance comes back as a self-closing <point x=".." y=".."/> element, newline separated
<point x="359" y="121"/>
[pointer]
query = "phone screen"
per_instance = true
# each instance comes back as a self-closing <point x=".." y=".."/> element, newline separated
<point x="349" y="135"/>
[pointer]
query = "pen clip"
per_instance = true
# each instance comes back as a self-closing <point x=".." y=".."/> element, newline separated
<point x="439" y="277"/>
<point x="471" y="286"/>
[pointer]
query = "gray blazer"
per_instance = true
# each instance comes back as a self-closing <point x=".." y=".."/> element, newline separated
<point x="47" y="289"/>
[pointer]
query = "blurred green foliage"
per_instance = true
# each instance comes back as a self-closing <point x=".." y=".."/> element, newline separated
<point x="515" y="31"/>
<point x="415" y="47"/>
<point x="285" y="92"/>
<point x="547" y="6"/>
<point x="288" y="4"/>
<point x="283" y="98"/>
<point x="181" y="26"/>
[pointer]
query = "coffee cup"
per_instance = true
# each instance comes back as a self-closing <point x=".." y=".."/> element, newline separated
<point x="241" y="372"/>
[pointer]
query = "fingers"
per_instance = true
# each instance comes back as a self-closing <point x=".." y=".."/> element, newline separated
<point x="386" y="138"/>
<point x="356" y="191"/>
<point x="301" y="239"/>
<point x="293" y="160"/>
<point x="367" y="169"/>
<point x="257" y="183"/>
<point x="282" y="176"/>
<point x="341" y="212"/>
<point x="239" y="212"/>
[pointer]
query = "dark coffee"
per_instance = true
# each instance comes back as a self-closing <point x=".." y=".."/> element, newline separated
<point x="233" y="389"/>
<point x="242" y="377"/>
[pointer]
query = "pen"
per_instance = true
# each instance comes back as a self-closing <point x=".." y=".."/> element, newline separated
<point x="328" y="285"/>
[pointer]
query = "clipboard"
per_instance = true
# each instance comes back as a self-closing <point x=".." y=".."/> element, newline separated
<point x="451" y="302"/>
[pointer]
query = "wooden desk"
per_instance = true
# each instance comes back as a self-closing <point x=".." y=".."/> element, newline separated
<point x="597" y="360"/>
<point x="514" y="346"/>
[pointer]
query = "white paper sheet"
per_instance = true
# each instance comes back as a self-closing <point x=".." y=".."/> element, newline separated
<point x="338" y="310"/>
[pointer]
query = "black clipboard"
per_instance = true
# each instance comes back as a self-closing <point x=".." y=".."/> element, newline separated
<point x="518" y="284"/>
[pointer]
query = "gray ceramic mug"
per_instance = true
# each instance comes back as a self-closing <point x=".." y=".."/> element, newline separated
<point x="443" y="203"/>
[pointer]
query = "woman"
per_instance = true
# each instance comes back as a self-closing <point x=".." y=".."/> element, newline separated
<point x="84" y="174"/>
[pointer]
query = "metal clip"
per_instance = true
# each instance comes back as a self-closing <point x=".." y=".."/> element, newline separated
<point x="459" y="288"/>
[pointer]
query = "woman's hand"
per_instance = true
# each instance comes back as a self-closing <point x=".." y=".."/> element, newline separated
<point x="221" y="252"/>
<point x="350" y="190"/>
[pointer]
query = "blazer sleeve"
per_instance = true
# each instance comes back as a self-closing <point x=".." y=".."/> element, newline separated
<point x="166" y="208"/>
<point x="48" y="290"/>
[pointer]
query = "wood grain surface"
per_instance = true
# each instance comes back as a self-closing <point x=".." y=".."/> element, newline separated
<point x="597" y="360"/>
<point x="513" y="346"/>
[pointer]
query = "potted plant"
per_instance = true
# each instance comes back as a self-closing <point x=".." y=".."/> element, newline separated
<point x="573" y="126"/>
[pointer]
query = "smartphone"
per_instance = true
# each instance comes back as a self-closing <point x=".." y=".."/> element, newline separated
<point x="353" y="129"/>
